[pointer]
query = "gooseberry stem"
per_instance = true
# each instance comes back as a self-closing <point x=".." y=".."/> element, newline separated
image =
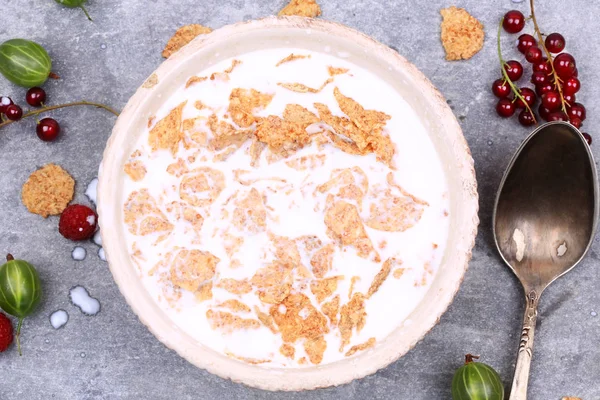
<point x="50" y="108"/>
<point x="86" y="13"/>
<point x="9" y="257"/>
<point x="557" y="79"/>
<point x="514" y="89"/>
<point x="18" y="336"/>
<point x="469" y="358"/>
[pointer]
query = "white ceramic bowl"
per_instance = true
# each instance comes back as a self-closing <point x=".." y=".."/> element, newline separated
<point x="314" y="35"/>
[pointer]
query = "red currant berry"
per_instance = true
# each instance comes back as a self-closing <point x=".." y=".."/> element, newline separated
<point x="4" y="103"/>
<point x="543" y="112"/>
<point x="575" y="73"/>
<point x="569" y="98"/>
<point x="558" y="116"/>
<point x="576" y="122"/>
<point x="514" y="69"/>
<point x="564" y="65"/>
<point x="14" y="112"/>
<point x="525" y="118"/>
<point x="539" y="78"/>
<point x="543" y="89"/>
<point x="555" y="43"/>
<point x="48" y="129"/>
<point x="525" y="42"/>
<point x="500" y="88"/>
<point x="505" y="108"/>
<point x="551" y="100"/>
<point x="571" y="85"/>
<point x="533" y="55"/>
<point x="528" y="95"/>
<point x="514" y="21"/>
<point x="577" y="110"/>
<point x="587" y="138"/>
<point x="35" y="97"/>
<point x="542" y="66"/>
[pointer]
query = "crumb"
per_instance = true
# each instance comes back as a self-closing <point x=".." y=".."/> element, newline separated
<point x="151" y="121"/>
<point x="150" y="82"/>
<point x="199" y="105"/>
<point x="167" y="133"/>
<point x="352" y="284"/>
<point x="183" y="36"/>
<point x="311" y="161"/>
<point x="290" y="58"/>
<point x="287" y="350"/>
<point x="333" y="71"/>
<point x="462" y="34"/>
<point x="194" y="79"/>
<point x="381" y="276"/>
<point x="398" y="273"/>
<point x="234" y="64"/>
<point x="302" y="8"/>
<point x="48" y="190"/>
<point x="360" y="347"/>
<point x="219" y="76"/>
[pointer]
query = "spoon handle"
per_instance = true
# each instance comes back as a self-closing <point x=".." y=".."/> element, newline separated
<point x="521" y="378"/>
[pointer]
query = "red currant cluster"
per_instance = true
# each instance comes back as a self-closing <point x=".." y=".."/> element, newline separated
<point x="554" y="78"/>
<point x="47" y="129"/>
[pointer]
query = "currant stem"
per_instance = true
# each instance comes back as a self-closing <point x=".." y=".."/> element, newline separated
<point x="50" y="108"/>
<point x="18" y="335"/>
<point x="557" y="79"/>
<point x="86" y="13"/>
<point x="515" y="90"/>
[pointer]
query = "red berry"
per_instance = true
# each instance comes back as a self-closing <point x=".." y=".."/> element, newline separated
<point x="564" y="65"/>
<point x="528" y="95"/>
<point x="6" y="332"/>
<point x="558" y="116"/>
<point x="551" y="100"/>
<point x="543" y="112"/>
<point x="543" y="89"/>
<point x="539" y="78"/>
<point x="577" y="110"/>
<point x="14" y="112"/>
<point x="569" y="98"/>
<point x="514" y="21"/>
<point x="525" y="42"/>
<point x="35" y="97"/>
<point x="77" y="222"/>
<point x="588" y="138"/>
<point x="505" y="108"/>
<point x="542" y="66"/>
<point x="533" y="55"/>
<point x="500" y="88"/>
<point x="555" y="43"/>
<point x="48" y="129"/>
<point x="576" y="122"/>
<point x="571" y="85"/>
<point x="4" y="103"/>
<point x="575" y="73"/>
<point x="514" y="69"/>
<point x="525" y="118"/>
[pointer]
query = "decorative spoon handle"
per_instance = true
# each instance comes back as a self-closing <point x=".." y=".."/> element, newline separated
<point x="521" y="378"/>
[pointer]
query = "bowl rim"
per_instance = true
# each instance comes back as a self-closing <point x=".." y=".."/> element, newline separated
<point x="333" y="374"/>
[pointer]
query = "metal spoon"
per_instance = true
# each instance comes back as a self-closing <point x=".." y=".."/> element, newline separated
<point x="544" y="220"/>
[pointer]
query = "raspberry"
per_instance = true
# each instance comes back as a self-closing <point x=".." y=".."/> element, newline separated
<point x="6" y="332"/>
<point x="77" y="222"/>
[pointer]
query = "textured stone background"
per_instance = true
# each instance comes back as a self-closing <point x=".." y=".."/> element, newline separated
<point x="113" y="356"/>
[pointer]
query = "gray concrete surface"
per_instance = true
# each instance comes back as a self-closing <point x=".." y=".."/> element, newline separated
<point x="113" y="356"/>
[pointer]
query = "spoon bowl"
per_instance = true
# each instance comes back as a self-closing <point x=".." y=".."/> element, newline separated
<point x="544" y="219"/>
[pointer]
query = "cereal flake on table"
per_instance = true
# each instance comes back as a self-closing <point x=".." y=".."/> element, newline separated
<point x="48" y="190"/>
<point x="302" y="8"/>
<point x="462" y="34"/>
<point x="183" y="36"/>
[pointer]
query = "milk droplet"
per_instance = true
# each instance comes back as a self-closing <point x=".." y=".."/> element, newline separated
<point x="593" y="313"/>
<point x="97" y="238"/>
<point x="81" y="299"/>
<point x="517" y="1"/>
<point x="82" y="355"/>
<point x="102" y="46"/>
<point x="78" y="253"/>
<point x="59" y="318"/>
<point x="101" y="254"/>
<point x="92" y="190"/>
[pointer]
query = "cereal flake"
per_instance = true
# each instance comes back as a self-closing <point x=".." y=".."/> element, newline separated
<point x="462" y="34"/>
<point x="48" y="191"/>
<point x="183" y="36"/>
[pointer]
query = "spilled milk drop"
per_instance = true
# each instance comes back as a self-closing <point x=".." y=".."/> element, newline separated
<point x="59" y="318"/>
<point x="81" y="299"/>
<point x="101" y="254"/>
<point x="92" y="190"/>
<point x="78" y="253"/>
<point x="97" y="238"/>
